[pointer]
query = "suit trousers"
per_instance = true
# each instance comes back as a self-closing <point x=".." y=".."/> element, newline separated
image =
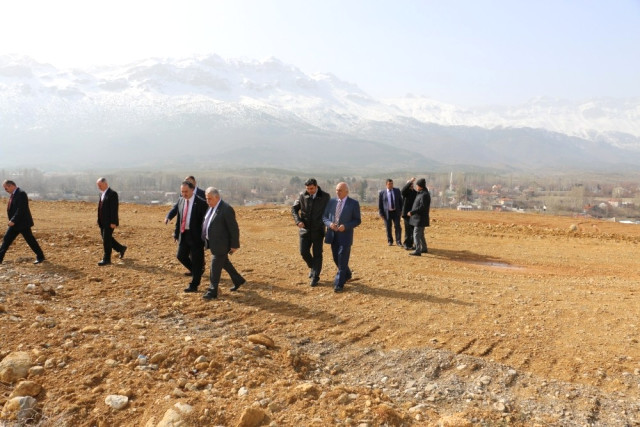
<point x="419" y="240"/>
<point x="11" y="235"/>
<point x="408" y="233"/>
<point x="191" y="255"/>
<point x="393" y="220"/>
<point x="219" y="263"/>
<point x="341" y="255"/>
<point x="109" y="243"/>
<point x="308" y="242"/>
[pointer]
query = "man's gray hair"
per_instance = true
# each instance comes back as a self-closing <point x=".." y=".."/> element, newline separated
<point x="213" y="191"/>
<point x="102" y="179"/>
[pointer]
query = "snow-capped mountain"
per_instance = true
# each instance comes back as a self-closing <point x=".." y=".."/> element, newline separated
<point x="266" y="113"/>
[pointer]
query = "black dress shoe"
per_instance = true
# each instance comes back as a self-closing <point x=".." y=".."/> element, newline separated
<point x="425" y="251"/>
<point x="209" y="296"/>
<point x="338" y="289"/>
<point x="236" y="287"/>
<point x="39" y="260"/>
<point x="191" y="288"/>
<point x="400" y="244"/>
<point x="410" y="248"/>
<point x="124" y="249"/>
<point x="415" y="253"/>
<point x="314" y="282"/>
<point x="390" y="243"/>
<point x="103" y="263"/>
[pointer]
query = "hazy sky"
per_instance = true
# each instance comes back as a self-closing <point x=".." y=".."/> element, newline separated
<point x="466" y="52"/>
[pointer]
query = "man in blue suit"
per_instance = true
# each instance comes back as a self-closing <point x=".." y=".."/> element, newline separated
<point x="390" y="210"/>
<point x="341" y="216"/>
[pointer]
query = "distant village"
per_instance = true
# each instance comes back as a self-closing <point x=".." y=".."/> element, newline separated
<point x="607" y="198"/>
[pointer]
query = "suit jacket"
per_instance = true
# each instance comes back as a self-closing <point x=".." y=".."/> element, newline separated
<point x="383" y="202"/>
<point x="19" y="212"/>
<point x="108" y="209"/>
<point x="198" y="211"/>
<point x="420" y="209"/>
<point x="350" y="218"/>
<point x="309" y="211"/>
<point x="224" y="233"/>
<point x="408" y="197"/>
<point x="200" y="193"/>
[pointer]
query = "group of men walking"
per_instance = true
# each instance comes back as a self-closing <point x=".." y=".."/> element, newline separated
<point x="322" y="219"/>
<point x="205" y="221"/>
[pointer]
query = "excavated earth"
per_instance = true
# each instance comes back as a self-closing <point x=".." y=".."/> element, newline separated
<point x="510" y="319"/>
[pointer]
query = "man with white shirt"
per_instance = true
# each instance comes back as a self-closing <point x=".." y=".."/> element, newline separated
<point x="221" y="235"/>
<point x="188" y="231"/>
<point x="390" y="210"/>
<point x="108" y="221"/>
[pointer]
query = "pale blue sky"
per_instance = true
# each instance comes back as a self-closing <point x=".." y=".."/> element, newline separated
<point x="465" y="52"/>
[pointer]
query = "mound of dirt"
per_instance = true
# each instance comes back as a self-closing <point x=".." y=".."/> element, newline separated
<point x="517" y="319"/>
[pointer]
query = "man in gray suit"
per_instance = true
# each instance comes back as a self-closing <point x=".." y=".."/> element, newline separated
<point x="221" y="235"/>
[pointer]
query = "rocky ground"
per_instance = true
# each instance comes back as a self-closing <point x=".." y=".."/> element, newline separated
<point x="511" y="319"/>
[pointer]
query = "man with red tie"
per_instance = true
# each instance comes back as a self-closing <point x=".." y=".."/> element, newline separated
<point x="191" y="211"/>
<point x="20" y="221"/>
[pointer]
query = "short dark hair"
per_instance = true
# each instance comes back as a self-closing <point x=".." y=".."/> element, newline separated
<point x="311" y="181"/>
<point x="188" y="184"/>
<point x="9" y="182"/>
<point x="390" y="180"/>
<point x="190" y="177"/>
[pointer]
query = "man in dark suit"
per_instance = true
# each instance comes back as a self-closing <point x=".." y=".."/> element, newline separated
<point x="341" y="216"/>
<point x="419" y="216"/>
<point x="389" y="208"/>
<point x="108" y="221"/>
<point x="408" y="197"/>
<point x="188" y="232"/>
<point x="20" y="221"/>
<point x="221" y="235"/>
<point x="307" y="213"/>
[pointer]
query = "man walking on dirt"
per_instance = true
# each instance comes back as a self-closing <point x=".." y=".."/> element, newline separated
<point x="307" y="213"/>
<point x="108" y="221"/>
<point x="20" y="221"/>
<point x="419" y="217"/>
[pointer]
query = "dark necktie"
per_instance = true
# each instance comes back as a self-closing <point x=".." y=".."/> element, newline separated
<point x="336" y="219"/>
<point x="393" y="204"/>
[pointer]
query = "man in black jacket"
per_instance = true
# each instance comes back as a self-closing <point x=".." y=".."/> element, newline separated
<point x="408" y="197"/>
<point x="419" y="217"/>
<point x="307" y="214"/>
<point x="108" y="221"/>
<point x="20" y="221"/>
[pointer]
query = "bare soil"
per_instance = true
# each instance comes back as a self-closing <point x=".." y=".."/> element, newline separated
<point x="510" y="319"/>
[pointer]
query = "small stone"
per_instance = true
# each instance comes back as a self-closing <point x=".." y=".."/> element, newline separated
<point x="90" y="330"/>
<point x="35" y="371"/>
<point x="21" y="409"/>
<point x="201" y="359"/>
<point x="251" y="417"/>
<point x="243" y="391"/>
<point x="158" y="358"/>
<point x="15" y="366"/>
<point x="116" y="401"/>
<point x="261" y="339"/>
<point x="26" y="388"/>
<point x="309" y="390"/>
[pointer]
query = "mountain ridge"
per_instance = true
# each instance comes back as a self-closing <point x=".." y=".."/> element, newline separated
<point x="252" y="113"/>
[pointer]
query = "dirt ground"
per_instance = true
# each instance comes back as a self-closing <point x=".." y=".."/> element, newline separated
<point x="510" y="319"/>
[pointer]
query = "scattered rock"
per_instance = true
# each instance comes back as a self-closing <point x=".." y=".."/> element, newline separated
<point x="21" y="409"/>
<point x="116" y="401"/>
<point x="26" y="388"/>
<point x="251" y="417"/>
<point x="454" y="421"/>
<point x="261" y="339"/>
<point x="90" y="330"/>
<point x="175" y="417"/>
<point x="15" y="366"/>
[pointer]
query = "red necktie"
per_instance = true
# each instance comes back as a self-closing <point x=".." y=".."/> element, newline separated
<point x="183" y="223"/>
